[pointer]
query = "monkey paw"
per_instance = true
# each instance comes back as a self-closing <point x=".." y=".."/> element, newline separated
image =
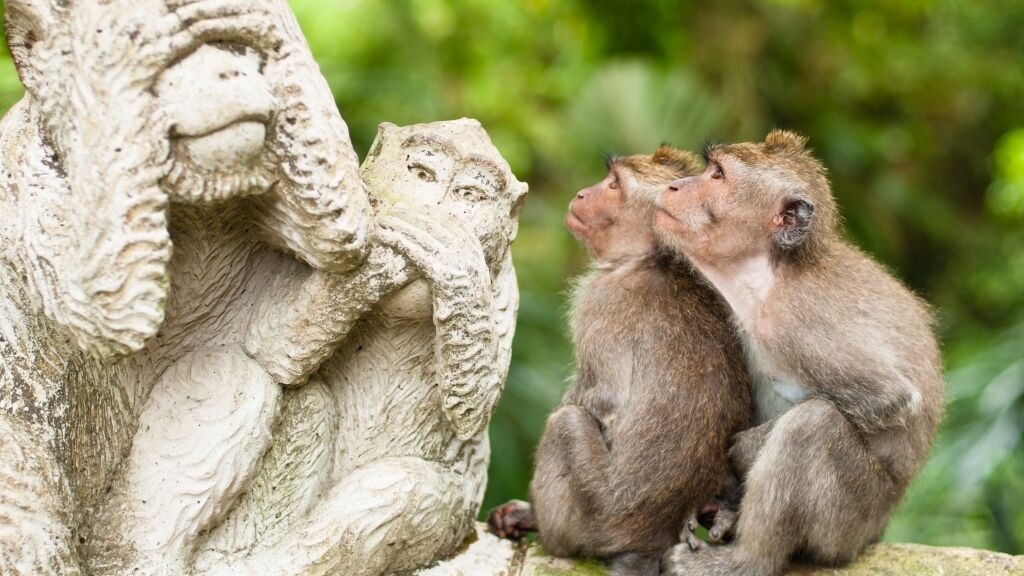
<point x="513" y="519"/>
<point x="689" y="533"/>
<point x="720" y="518"/>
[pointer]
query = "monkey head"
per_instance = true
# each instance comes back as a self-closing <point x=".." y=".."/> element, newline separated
<point x="613" y="217"/>
<point x="451" y="169"/>
<point x="218" y="107"/>
<point x="752" y="198"/>
<point x="132" y="104"/>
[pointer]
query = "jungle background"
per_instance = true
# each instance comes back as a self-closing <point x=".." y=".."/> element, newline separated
<point x="915" y="106"/>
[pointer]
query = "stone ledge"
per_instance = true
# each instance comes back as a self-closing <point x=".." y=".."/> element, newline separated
<point x="493" y="556"/>
<point x="878" y="560"/>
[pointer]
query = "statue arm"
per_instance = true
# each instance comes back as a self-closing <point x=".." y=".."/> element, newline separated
<point x="319" y="208"/>
<point x="292" y="336"/>
<point x="473" y="332"/>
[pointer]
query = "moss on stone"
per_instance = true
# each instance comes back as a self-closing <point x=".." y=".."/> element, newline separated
<point x="540" y="563"/>
<point x="878" y="560"/>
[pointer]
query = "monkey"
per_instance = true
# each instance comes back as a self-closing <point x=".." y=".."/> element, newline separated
<point x="844" y="363"/>
<point x="639" y="442"/>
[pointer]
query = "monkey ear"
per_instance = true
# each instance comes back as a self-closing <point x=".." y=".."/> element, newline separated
<point x="793" y="222"/>
<point x="784" y="141"/>
<point x="682" y="161"/>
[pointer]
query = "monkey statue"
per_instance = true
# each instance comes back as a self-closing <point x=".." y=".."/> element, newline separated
<point x="380" y="461"/>
<point x="846" y="371"/>
<point x="639" y="443"/>
<point x="205" y="124"/>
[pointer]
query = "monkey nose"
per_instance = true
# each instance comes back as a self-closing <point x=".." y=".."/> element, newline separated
<point x="675" y="185"/>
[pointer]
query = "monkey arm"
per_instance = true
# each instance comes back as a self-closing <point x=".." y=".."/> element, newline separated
<point x="326" y="226"/>
<point x="319" y="210"/>
<point x="291" y="337"/>
<point x="873" y="400"/>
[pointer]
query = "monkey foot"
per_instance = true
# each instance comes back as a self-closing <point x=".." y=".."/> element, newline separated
<point x="513" y="519"/>
<point x="689" y="533"/>
<point x="710" y="561"/>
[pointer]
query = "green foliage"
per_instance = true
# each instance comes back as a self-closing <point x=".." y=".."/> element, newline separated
<point x="916" y="107"/>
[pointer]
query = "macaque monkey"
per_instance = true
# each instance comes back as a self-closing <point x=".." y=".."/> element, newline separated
<point x="846" y="371"/>
<point x="639" y="443"/>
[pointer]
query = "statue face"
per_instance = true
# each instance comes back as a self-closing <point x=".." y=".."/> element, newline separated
<point x="197" y="97"/>
<point x="449" y="168"/>
<point x="218" y="105"/>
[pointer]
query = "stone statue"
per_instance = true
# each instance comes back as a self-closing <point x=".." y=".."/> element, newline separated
<point x="381" y="460"/>
<point x="304" y="381"/>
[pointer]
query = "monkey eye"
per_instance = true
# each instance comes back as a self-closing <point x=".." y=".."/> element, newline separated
<point x="718" y="174"/>
<point x="422" y="172"/>
<point x="472" y="192"/>
<point x="614" y="184"/>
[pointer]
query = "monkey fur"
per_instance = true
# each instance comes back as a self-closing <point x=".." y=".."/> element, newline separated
<point x="845" y="367"/>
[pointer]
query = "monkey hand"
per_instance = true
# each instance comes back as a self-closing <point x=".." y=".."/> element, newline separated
<point x="513" y="519"/>
<point x="453" y="262"/>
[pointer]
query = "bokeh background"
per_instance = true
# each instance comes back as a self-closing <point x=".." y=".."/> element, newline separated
<point x="915" y="106"/>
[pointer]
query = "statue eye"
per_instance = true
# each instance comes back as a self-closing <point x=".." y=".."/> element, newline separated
<point x="472" y="192"/>
<point x="422" y="172"/>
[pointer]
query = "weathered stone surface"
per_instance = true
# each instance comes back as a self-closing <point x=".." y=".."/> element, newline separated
<point x="485" y="555"/>
<point x="918" y="560"/>
<point x="225" y="347"/>
<point x="878" y="560"/>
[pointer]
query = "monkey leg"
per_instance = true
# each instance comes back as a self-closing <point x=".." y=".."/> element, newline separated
<point x="392" y="515"/>
<point x="747" y="444"/>
<point x="814" y="489"/>
<point x="201" y="434"/>
<point x="566" y="520"/>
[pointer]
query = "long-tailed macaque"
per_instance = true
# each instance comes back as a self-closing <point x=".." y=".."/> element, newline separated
<point x="639" y="443"/>
<point x="846" y="371"/>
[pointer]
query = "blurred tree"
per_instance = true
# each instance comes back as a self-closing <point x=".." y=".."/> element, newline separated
<point x="916" y="107"/>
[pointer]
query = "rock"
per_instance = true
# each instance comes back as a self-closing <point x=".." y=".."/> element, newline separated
<point x="485" y="554"/>
<point x="919" y="560"/>
<point x="878" y="560"/>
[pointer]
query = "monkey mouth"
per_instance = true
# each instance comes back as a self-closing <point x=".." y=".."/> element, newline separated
<point x="573" y="222"/>
<point x="667" y="221"/>
<point x="664" y="212"/>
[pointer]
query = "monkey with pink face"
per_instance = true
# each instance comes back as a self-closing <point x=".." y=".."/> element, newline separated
<point x="638" y="447"/>
<point x="845" y="368"/>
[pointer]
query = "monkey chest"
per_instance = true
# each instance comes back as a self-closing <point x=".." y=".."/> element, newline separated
<point x="775" y="390"/>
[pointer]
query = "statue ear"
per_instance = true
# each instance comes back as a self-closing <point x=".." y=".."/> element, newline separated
<point x="517" y="208"/>
<point x="27" y="22"/>
<point x="793" y="222"/>
<point x="384" y="130"/>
